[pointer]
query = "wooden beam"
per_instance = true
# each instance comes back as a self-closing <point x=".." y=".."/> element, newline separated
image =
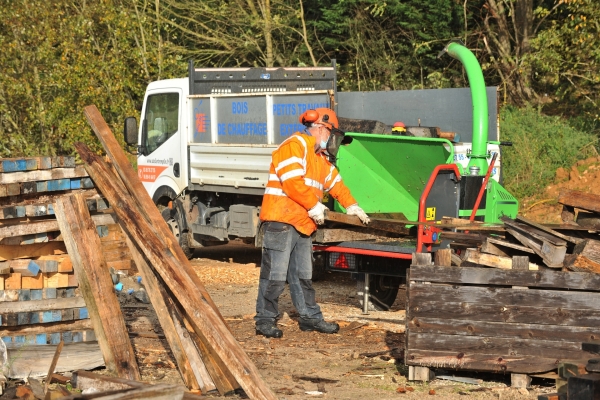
<point x="169" y="262"/>
<point x="585" y="257"/>
<point x="336" y="235"/>
<point x="128" y="179"/>
<point x="43" y="175"/>
<point x="12" y="252"/>
<point x="181" y="353"/>
<point x="577" y="199"/>
<point x="43" y="226"/>
<point x="394" y="225"/>
<point x="53" y="364"/>
<point x="41" y="305"/>
<point x="494" y="261"/>
<point x="96" y="285"/>
<point x="548" y="230"/>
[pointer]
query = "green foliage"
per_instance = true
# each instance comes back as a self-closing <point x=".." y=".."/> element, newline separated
<point x="59" y="57"/>
<point x="566" y="60"/>
<point x="541" y="145"/>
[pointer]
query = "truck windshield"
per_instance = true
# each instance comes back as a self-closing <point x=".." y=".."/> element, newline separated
<point x="162" y="116"/>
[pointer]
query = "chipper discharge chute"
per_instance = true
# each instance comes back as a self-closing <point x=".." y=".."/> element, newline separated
<point x="388" y="174"/>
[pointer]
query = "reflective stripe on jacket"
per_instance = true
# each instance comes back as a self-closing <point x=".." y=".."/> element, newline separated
<point x="297" y="179"/>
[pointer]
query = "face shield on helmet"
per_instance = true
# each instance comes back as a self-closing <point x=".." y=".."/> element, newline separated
<point x="334" y="142"/>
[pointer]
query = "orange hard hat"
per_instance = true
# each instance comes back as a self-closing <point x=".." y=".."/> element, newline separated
<point x="399" y="127"/>
<point x="325" y="116"/>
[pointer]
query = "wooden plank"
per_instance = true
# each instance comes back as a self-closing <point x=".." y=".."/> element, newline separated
<point x="573" y="198"/>
<point x="181" y="353"/>
<point x="557" y="348"/>
<point x="553" y="256"/>
<point x="329" y="235"/>
<point x="96" y="285"/>
<point x="548" y="230"/>
<point x="41" y="305"/>
<point x="534" y="232"/>
<point x="54" y="327"/>
<point x="491" y="260"/>
<point x="450" y="326"/>
<point x="43" y="175"/>
<point x="545" y="278"/>
<point x="35" y="360"/>
<point x="500" y="363"/>
<point x="134" y="215"/>
<point x="504" y="243"/>
<point x="510" y="313"/>
<point x="53" y="364"/>
<point x="505" y="296"/>
<point x="394" y="226"/>
<point x="490" y="248"/>
<point x="46" y="226"/>
<point x="12" y="252"/>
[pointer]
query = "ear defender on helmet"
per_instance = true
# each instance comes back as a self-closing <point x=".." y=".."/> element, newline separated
<point x="309" y="117"/>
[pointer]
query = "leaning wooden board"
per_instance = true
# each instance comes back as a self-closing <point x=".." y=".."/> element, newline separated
<point x="478" y="318"/>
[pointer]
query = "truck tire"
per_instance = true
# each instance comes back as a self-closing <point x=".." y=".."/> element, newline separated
<point x="383" y="290"/>
<point x="319" y="266"/>
<point x="174" y="219"/>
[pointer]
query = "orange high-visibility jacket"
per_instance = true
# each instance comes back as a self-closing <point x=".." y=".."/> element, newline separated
<point x="297" y="178"/>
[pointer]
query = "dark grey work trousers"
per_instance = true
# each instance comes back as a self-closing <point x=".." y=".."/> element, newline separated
<point x="286" y="254"/>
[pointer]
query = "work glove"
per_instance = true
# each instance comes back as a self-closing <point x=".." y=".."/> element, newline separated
<point x="354" y="209"/>
<point x="317" y="213"/>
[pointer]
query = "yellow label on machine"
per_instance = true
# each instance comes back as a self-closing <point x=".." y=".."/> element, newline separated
<point x="430" y="214"/>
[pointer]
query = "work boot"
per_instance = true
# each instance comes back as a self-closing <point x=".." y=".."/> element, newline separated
<point x="269" y="330"/>
<point x="319" y="325"/>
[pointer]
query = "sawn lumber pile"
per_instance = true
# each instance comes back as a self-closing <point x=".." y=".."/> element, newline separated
<point x="40" y="301"/>
<point x="207" y="355"/>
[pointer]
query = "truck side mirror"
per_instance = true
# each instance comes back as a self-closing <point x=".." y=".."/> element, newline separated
<point x="130" y="131"/>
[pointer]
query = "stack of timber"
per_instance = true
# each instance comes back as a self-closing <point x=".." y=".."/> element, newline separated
<point x="518" y="320"/>
<point x="40" y="301"/>
<point x="207" y="355"/>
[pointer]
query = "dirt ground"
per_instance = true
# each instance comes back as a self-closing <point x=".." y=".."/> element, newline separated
<point x="584" y="176"/>
<point x="363" y="361"/>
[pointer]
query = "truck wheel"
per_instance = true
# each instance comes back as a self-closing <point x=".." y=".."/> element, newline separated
<point x="383" y="290"/>
<point x="173" y="219"/>
<point x="319" y="267"/>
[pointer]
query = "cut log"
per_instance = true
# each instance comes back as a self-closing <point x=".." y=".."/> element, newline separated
<point x="85" y="249"/>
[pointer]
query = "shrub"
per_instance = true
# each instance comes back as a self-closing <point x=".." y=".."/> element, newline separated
<point x="541" y="144"/>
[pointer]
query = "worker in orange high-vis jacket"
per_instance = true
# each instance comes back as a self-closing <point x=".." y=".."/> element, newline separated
<point x="292" y="208"/>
